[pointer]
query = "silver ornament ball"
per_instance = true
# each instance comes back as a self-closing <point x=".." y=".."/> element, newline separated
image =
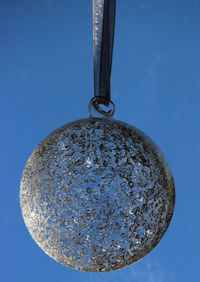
<point x="97" y="195"/>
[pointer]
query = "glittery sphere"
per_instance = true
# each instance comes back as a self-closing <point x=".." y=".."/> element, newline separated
<point x="97" y="195"/>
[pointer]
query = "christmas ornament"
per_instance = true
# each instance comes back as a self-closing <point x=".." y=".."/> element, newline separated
<point x="97" y="194"/>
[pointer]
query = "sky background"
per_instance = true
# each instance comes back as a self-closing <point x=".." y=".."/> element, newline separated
<point x="46" y="80"/>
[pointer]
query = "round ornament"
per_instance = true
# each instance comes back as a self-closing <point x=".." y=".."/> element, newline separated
<point x="97" y="194"/>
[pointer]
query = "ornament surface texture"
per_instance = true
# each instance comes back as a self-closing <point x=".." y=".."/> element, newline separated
<point x="97" y="194"/>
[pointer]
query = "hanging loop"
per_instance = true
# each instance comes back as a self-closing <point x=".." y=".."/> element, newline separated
<point x="102" y="106"/>
<point x="103" y="37"/>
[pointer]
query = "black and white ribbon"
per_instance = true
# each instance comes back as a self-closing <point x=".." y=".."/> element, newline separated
<point x="103" y="37"/>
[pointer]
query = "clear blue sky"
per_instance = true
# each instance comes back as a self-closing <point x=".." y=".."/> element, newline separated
<point x="46" y="80"/>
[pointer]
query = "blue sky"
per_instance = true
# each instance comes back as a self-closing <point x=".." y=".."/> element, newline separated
<point x="46" y="80"/>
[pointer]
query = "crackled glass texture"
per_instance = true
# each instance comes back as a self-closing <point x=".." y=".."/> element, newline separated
<point x="97" y="195"/>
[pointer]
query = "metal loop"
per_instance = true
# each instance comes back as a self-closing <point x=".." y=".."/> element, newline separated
<point x="95" y="103"/>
